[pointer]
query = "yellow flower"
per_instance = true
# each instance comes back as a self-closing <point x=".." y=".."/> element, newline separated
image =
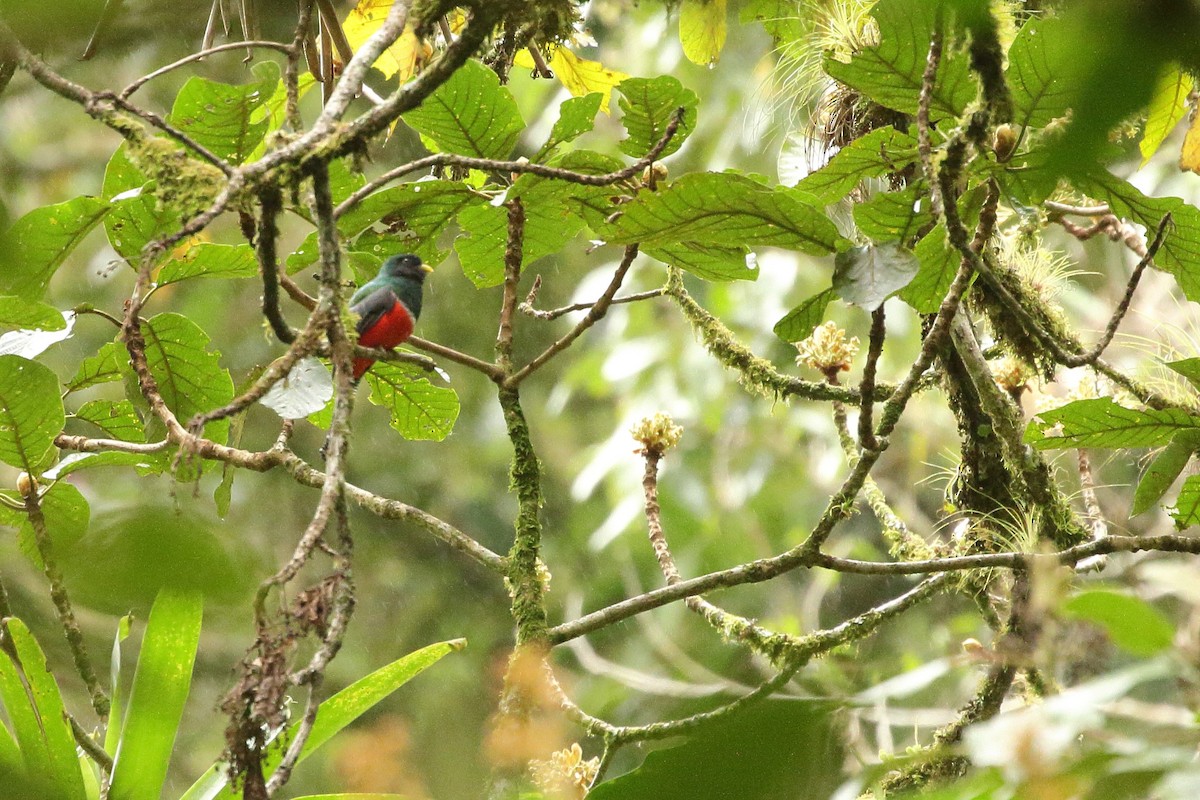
<point x="565" y="774"/>
<point x="657" y="434"/>
<point x="827" y="349"/>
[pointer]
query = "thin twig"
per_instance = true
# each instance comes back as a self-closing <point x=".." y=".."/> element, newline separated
<point x="866" y="403"/>
<point x="125" y="93"/>
<point x="527" y="308"/>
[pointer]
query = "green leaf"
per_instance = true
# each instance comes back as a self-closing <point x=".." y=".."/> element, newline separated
<point x="137" y="216"/>
<point x="33" y="249"/>
<point x="891" y="72"/>
<point x="481" y="251"/>
<point x="702" y="30"/>
<point x="207" y="260"/>
<point x="775" y="749"/>
<point x="938" y="265"/>
<point x="867" y="275"/>
<point x="21" y="313"/>
<point x="117" y="418"/>
<point x="470" y="114"/>
<point x="67" y="515"/>
<point x="142" y="463"/>
<point x="1187" y="505"/>
<point x="710" y="262"/>
<point x="1180" y="251"/>
<point x="1168" y="106"/>
<point x="112" y="731"/>
<point x="576" y="116"/>
<point x="23" y="717"/>
<point x="31" y="411"/>
<point x="55" y="751"/>
<point x="190" y="378"/>
<point x="412" y="216"/>
<point x="160" y="689"/>
<point x="1041" y="72"/>
<point x="419" y="409"/>
<point x="647" y="106"/>
<point x="894" y="216"/>
<point x="1163" y="470"/>
<point x="100" y="368"/>
<point x="799" y="323"/>
<point x="1188" y="368"/>
<point x="880" y="152"/>
<point x="335" y="713"/>
<point x="219" y="116"/>
<point x="1133" y="624"/>
<point x="1100" y="422"/>
<point x="724" y="209"/>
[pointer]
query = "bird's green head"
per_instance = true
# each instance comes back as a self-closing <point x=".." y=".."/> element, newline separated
<point x="405" y="265"/>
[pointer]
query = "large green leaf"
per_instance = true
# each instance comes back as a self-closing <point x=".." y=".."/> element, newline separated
<point x="190" y="378"/>
<point x="771" y="751"/>
<point x="1133" y="624"/>
<point x="576" y="116"/>
<point x="1180" y="251"/>
<point x="222" y="117"/>
<point x="1163" y="470"/>
<point x="880" y="152"/>
<point x="799" y="323"/>
<point x="1168" y="106"/>
<point x="412" y="215"/>
<point x="23" y="313"/>
<point x="470" y="114"/>
<point x="137" y="216"/>
<point x="33" y="249"/>
<point x="865" y="276"/>
<point x="939" y="263"/>
<point x="419" y="409"/>
<point x="894" y="216"/>
<point x="647" y="106"/>
<point x="112" y="731"/>
<point x="66" y="513"/>
<point x="1100" y="422"/>
<point x="208" y="260"/>
<point x="160" y="688"/>
<point x="891" y="72"/>
<point x="1042" y="72"/>
<point x="31" y="411"/>
<point x="39" y="718"/>
<point x="118" y="419"/>
<point x="549" y="226"/>
<point x="724" y="209"/>
<point x="335" y="714"/>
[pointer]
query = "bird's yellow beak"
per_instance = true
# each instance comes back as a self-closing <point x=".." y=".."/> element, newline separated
<point x="426" y="268"/>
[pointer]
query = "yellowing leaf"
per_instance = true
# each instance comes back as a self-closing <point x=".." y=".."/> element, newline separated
<point x="702" y="30"/>
<point x="581" y="76"/>
<point x="1189" y="156"/>
<point x="403" y="58"/>
<point x="1168" y="104"/>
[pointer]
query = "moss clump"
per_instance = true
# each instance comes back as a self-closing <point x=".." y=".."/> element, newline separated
<point x="185" y="184"/>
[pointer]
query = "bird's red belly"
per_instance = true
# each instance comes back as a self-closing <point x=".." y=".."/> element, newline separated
<point x="392" y="329"/>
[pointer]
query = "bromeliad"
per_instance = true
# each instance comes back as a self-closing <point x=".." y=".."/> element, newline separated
<point x="388" y="306"/>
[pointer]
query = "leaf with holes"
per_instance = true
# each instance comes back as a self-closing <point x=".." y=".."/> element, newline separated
<point x="207" y="260"/>
<point x="648" y="106"/>
<point x="31" y="411"/>
<point x="116" y="418"/>
<point x="419" y="409"/>
<point x="33" y="249"/>
<point x="190" y="378"/>
<point x="470" y="114"/>
<point x="221" y="117"/>
<point x="865" y="276"/>
<point x="724" y="209"/>
<point x="1099" y="422"/>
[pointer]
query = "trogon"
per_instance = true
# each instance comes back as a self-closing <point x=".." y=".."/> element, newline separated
<point x="388" y="305"/>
